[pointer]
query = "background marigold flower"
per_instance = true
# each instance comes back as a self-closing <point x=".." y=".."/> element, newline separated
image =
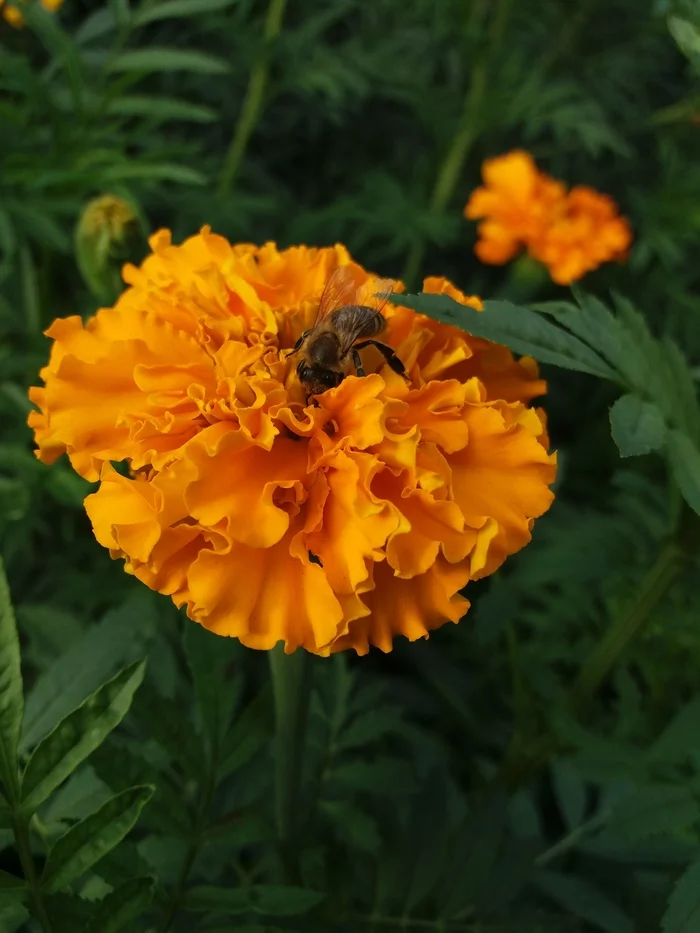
<point x="328" y="526"/>
<point x="571" y="233"/>
<point x="14" y="16"/>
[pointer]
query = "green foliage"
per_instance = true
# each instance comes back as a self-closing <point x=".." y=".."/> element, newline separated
<point x="536" y="767"/>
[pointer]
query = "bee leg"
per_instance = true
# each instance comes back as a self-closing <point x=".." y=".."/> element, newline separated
<point x="297" y="346"/>
<point x="388" y="354"/>
<point x="358" y="363"/>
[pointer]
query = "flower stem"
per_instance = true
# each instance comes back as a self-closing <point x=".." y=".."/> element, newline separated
<point x="462" y="142"/>
<point x="599" y="663"/>
<point x="525" y="760"/>
<point x="254" y="98"/>
<point x="451" y="168"/>
<point x="20" y="828"/>
<point x="200" y="826"/>
<point x="291" y="684"/>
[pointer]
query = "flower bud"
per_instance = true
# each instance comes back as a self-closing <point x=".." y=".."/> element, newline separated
<point x="109" y="233"/>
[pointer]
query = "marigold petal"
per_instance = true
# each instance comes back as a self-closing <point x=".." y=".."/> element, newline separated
<point x="412" y="608"/>
<point x="262" y="596"/>
<point x="503" y="473"/>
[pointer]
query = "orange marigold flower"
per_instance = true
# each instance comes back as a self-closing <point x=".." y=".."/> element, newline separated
<point x="14" y="17"/>
<point x="571" y="232"/>
<point x="334" y="525"/>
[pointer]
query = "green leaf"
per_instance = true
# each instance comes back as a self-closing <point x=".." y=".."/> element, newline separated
<point x="685" y="466"/>
<point x="250" y="732"/>
<point x="651" y="810"/>
<point x="165" y="171"/>
<point x="8" y="882"/>
<point x="160" y="108"/>
<point x="13" y="916"/>
<point x="98" y="24"/>
<point x="123" y="905"/>
<point x="680" y="738"/>
<point x="208" y="655"/>
<point x="522" y="330"/>
<point x="154" y="59"/>
<point x="76" y="736"/>
<point x="171" y="9"/>
<point x="476" y="852"/>
<point x="88" y="841"/>
<point x="119" y="637"/>
<point x="11" y="697"/>
<point x="683" y="910"/>
<point x="687" y="36"/>
<point x="275" y="900"/>
<point x="570" y="790"/>
<point x="585" y="901"/>
<point x="637" y="426"/>
<point x="356" y="828"/>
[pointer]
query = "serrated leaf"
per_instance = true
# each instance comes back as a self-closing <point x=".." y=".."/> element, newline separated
<point x="76" y="736"/>
<point x="207" y="657"/>
<point x="368" y="727"/>
<point x="98" y="24"/>
<point x="522" y="330"/>
<point x="637" y="426"/>
<point x="87" y="842"/>
<point x="585" y="901"/>
<point x="118" y="638"/>
<point x="687" y="36"/>
<point x="13" y="916"/>
<point x="653" y="810"/>
<point x="249" y="733"/>
<point x="685" y="466"/>
<point x="275" y="900"/>
<point x="680" y="738"/>
<point x="356" y="828"/>
<point x="476" y="852"/>
<point x="570" y="790"/>
<point x="683" y="910"/>
<point x="122" y="905"/>
<point x="165" y="171"/>
<point x="154" y="59"/>
<point x="9" y="882"/>
<point x="11" y="696"/>
<point x="175" y="9"/>
<point x="160" y="108"/>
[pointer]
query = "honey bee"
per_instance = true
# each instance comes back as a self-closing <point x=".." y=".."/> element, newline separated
<point x="346" y="314"/>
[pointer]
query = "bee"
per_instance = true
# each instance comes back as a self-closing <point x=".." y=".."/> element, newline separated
<point x="346" y="314"/>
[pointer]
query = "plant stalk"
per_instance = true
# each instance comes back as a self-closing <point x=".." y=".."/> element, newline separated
<point x="254" y="98"/>
<point x="463" y="140"/>
<point x="291" y="684"/>
<point x="524" y="761"/>
<point x="21" y="833"/>
<point x="599" y="663"/>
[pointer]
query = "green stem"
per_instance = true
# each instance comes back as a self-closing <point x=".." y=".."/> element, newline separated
<point x="572" y="839"/>
<point x="523" y="761"/>
<point x="254" y="98"/>
<point x="21" y="832"/>
<point x="462" y="142"/>
<point x="598" y="665"/>
<point x="291" y="684"/>
<point x="451" y="168"/>
<point x="198" y="837"/>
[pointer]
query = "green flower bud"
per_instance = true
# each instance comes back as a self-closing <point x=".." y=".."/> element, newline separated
<point x="109" y="233"/>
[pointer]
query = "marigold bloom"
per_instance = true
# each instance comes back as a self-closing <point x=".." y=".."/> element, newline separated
<point x="571" y="232"/>
<point x="333" y="525"/>
<point x="14" y="17"/>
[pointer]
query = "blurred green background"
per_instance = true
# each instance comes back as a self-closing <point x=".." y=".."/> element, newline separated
<point x="443" y="786"/>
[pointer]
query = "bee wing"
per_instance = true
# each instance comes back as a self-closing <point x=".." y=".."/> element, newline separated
<point x="345" y="286"/>
<point x="339" y="290"/>
<point x="374" y="293"/>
